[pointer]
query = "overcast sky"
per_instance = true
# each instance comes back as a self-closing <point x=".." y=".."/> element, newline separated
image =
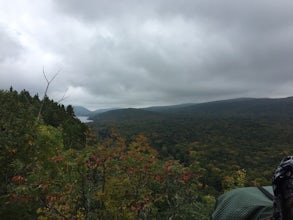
<point x="130" y="53"/>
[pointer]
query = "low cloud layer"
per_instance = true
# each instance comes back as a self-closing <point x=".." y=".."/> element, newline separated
<point x="143" y="53"/>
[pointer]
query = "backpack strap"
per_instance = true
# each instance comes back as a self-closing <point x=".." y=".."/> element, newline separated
<point x="266" y="193"/>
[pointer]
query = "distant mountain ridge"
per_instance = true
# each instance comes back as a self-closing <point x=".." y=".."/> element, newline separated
<point x="244" y="107"/>
<point x="230" y="107"/>
<point x="82" y="111"/>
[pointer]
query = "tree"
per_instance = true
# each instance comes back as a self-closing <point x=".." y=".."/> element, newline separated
<point x="46" y="90"/>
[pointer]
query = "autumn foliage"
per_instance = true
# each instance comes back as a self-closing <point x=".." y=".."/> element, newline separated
<point x="48" y="173"/>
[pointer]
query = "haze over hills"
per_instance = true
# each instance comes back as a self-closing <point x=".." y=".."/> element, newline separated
<point x="82" y="111"/>
<point x="233" y="107"/>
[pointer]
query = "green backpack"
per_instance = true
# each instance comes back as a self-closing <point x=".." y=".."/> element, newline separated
<point x="245" y="203"/>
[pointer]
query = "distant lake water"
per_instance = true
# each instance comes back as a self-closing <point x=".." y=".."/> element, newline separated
<point x="84" y="119"/>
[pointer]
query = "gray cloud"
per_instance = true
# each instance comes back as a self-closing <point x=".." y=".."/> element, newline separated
<point x="10" y="48"/>
<point x="131" y="54"/>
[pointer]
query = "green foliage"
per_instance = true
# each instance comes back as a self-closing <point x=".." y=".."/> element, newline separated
<point x="26" y="145"/>
<point x="53" y="168"/>
<point x="235" y="180"/>
<point x="168" y="165"/>
<point x="17" y="136"/>
<point x="243" y="134"/>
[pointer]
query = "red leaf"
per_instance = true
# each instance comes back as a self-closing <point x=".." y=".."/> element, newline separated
<point x="19" y="179"/>
<point x="186" y="176"/>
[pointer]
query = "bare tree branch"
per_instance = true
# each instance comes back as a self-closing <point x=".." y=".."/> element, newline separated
<point x="46" y="90"/>
<point x="63" y="97"/>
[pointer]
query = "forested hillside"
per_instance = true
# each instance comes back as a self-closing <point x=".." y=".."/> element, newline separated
<point x="153" y="163"/>
<point x="53" y="167"/>
<point x="223" y="136"/>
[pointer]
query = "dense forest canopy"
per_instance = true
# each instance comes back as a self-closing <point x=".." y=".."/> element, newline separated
<point x="153" y="163"/>
<point x="54" y="167"/>
<point x="250" y="134"/>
